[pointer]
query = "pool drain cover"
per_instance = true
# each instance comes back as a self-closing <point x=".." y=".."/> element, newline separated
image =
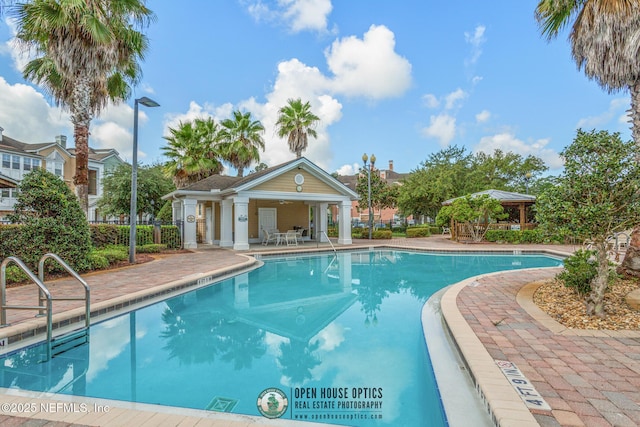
<point x="222" y="404"/>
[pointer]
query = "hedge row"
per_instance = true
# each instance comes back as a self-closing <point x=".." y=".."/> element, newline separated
<point x="517" y="236"/>
<point x="14" y="241"/>
<point x="112" y="234"/>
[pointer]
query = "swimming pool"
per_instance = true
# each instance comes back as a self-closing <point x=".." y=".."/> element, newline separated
<point x="340" y="336"/>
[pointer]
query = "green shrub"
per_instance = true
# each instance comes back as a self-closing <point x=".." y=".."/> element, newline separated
<point x="151" y="248"/>
<point x="144" y="234"/>
<point x="113" y="254"/>
<point x="579" y="271"/>
<point x="104" y="234"/>
<point x="418" y="232"/>
<point x="165" y="213"/>
<point x="381" y="234"/>
<point x="14" y="274"/>
<point x="98" y="261"/>
<point x="51" y="221"/>
<point x="170" y="236"/>
<point x="515" y="236"/>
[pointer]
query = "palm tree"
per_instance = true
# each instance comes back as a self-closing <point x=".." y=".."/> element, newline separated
<point x="241" y="141"/>
<point x="88" y="53"/>
<point x="297" y="122"/>
<point x="605" y="43"/>
<point x="192" y="150"/>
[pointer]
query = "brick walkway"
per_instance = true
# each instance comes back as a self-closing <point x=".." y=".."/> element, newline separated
<point x="587" y="380"/>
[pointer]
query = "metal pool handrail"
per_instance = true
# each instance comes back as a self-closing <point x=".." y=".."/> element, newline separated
<point x="329" y="240"/>
<point x="42" y="291"/>
<point x="87" y="292"/>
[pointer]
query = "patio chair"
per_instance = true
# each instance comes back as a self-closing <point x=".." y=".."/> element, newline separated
<point x="292" y="238"/>
<point x="299" y="234"/>
<point x="268" y="237"/>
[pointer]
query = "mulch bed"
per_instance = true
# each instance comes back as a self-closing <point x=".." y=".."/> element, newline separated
<point x="566" y="306"/>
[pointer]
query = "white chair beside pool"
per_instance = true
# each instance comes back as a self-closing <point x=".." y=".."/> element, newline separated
<point x="269" y="237"/>
<point x="292" y="237"/>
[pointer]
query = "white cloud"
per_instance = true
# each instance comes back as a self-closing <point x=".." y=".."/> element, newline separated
<point x="441" y="127"/>
<point x="452" y="98"/>
<point x="507" y="141"/>
<point x="483" y="116"/>
<point x="368" y="67"/>
<point x="617" y="108"/>
<point x="348" y="169"/>
<point x="297" y="15"/>
<point x="431" y="101"/>
<point x="26" y="115"/>
<point x="375" y="72"/>
<point x="307" y="14"/>
<point x="476" y="40"/>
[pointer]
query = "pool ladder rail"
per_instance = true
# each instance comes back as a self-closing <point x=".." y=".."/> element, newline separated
<point x="45" y="301"/>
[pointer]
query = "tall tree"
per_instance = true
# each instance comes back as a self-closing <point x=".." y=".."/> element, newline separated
<point x="192" y="149"/>
<point x="88" y="54"/>
<point x="604" y="43"/>
<point x="241" y="141"/>
<point x="383" y="195"/>
<point x="454" y="172"/>
<point x="595" y="197"/>
<point x="152" y="185"/>
<point x="297" y="123"/>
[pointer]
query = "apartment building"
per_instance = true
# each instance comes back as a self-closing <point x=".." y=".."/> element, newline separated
<point x="19" y="158"/>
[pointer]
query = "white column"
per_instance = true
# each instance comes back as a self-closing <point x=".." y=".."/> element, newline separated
<point x="241" y="222"/>
<point x="226" y="223"/>
<point x="344" y="223"/>
<point x="190" y="238"/>
<point x="208" y="225"/>
<point x="321" y="221"/>
<point x="176" y="206"/>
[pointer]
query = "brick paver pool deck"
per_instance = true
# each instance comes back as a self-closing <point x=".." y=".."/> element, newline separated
<point x="589" y="378"/>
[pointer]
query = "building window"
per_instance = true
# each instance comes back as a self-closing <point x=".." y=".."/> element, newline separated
<point x="15" y="162"/>
<point x="6" y="161"/>
<point x="5" y="193"/>
<point x="26" y="164"/>
<point x="93" y="182"/>
<point x="35" y="164"/>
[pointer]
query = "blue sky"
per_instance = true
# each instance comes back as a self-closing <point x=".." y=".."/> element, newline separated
<point x="398" y="79"/>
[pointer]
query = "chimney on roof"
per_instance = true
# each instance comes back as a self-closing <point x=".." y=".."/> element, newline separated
<point x="1" y="130"/>
<point x="391" y="165"/>
<point x="61" y="140"/>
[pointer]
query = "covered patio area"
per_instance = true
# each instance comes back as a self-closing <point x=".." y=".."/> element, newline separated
<point x="235" y="212"/>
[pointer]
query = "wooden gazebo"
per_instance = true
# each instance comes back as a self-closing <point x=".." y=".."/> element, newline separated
<point x="515" y="204"/>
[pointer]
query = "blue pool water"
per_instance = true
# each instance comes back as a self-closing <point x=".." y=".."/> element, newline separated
<point x="339" y="336"/>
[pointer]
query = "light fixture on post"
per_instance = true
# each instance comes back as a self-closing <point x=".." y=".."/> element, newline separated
<point x="368" y="170"/>
<point x="134" y="177"/>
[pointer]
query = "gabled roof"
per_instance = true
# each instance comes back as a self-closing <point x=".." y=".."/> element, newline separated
<point x="228" y="184"/>
<point x="15" y="146"/>
<point x="502" y="196"/>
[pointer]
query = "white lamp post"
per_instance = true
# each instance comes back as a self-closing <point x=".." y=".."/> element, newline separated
<point x="134" y="176"/>
<point x="365" y="158"/>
